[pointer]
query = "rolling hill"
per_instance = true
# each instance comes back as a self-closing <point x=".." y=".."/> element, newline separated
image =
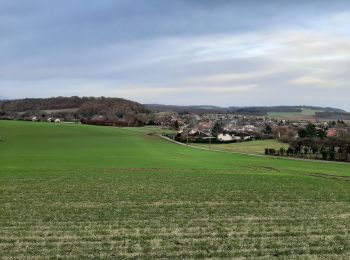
<point x="75" y="108"/>
<point x="252" y="110"/>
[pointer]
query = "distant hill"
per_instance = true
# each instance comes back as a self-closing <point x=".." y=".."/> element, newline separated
<point x="75" y="108"/>
<point x="253" y="110"/>
<point x="325" y="109"/>
<point x="185" y="109"/>
<point x="122" y="110"/>
<point x="333" y="115"/>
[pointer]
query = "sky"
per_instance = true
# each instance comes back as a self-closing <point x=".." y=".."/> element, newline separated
<point x="183" y="52"/>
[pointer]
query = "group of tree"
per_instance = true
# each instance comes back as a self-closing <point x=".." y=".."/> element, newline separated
<point x="217" y="129"/>
<point x="283" y="133"/>
<point x="333" y="115"/>
<point x="313" y="143"/>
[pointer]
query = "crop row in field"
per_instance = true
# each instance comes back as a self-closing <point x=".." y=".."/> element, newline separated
<point x="115" y="193"/>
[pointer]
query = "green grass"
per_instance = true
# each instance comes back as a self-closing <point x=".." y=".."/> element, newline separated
<point x="78" y="191"/>
<point x="151" y="129"/>
<point x="251" y="147"/>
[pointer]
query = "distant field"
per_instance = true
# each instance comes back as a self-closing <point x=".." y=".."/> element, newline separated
<point x="80" y="191"/>
<point x="306" y="112"/>
<point x="66" y="110"/>
<point x="150" y="129"/>
<point x="252" y="147"/>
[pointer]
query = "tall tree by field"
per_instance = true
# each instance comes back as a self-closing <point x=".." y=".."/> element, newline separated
<point x="217" y="129"/>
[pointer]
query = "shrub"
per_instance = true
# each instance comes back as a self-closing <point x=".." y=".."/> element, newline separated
<point x="289" y="151"/>
<point x="324" y="154"/>
<point x="282" y="151"/>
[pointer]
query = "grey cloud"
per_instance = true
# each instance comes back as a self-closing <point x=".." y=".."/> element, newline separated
<point x="85" y="46"/>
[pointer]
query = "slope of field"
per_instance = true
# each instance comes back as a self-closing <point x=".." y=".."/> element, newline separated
<point x="151" y="129"/>
<point x="251" y="147"/>
<point x="304" y="112"/>
<point x="81" y="191"/>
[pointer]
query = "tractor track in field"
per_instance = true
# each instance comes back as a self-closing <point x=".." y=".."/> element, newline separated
<point x="322" y="175"/>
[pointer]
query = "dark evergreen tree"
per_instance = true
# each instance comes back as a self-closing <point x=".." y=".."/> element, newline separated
<point x="217" y="129"/>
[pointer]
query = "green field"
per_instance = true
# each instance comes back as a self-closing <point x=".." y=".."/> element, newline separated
<point x="151" y="129"/>
<point x="306" y="112"/>
<point x="79" y="191"/>
<point x="251" y="147"/>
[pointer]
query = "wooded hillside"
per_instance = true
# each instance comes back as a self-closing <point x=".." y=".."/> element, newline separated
<point x="76" y="108"/>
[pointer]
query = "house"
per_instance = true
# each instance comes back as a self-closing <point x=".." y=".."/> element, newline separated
<point x="197" y="134"/>
<point x="204" y="126"/>
<point x="237" y="138"/>
<point x="249" y="128"/>
<point x="225" y="137"/>
<point x="331" y="132"/>
<point x="193" y="131"/>
<point x="57" y="120"/>
<point x="34" y="119"/>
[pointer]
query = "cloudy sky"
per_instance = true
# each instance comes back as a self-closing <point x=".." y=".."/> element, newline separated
<point x="217" y="52"/>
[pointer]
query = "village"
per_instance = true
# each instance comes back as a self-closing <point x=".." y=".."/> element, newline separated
<point x="226" y="128"/>
<point x="229" y="128"/>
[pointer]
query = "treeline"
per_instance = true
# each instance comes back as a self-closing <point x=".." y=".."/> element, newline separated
<point x="333" y="115"/>
<point x="105" y="122"/>
<point x="28" y="104"/>
<point x="55" y="103"/>
<point x="313" y="143"/>
<point x="186" y="109"/>
<point x="262" y="111"/>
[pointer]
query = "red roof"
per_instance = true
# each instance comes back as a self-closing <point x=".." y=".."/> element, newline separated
<point x="331" y="132"/>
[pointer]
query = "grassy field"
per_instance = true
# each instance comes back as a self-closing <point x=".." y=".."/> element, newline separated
<point x="79" y="191"/>
<point x="305" y="114"/>
<point x="151" y="129"/>
<point x="251" y="147"/>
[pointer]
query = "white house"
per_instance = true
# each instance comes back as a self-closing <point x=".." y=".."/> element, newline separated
<point x="34" y="118"/>
<point x="249" y="128"/>
<point x="225" y="137"/>
<point x="57" y="120"/>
